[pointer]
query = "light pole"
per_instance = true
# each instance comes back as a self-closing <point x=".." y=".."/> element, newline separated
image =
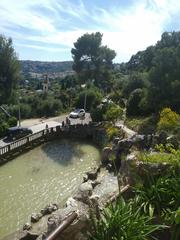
<point x="85" y="97"/>
<point x="19" y="112"/>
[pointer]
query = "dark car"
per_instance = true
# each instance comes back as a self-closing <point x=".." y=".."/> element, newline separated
<point x="14" y="133"/>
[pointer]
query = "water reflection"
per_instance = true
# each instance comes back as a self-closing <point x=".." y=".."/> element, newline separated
<point x="49" y="173"/>
<point x="70" y="151"/>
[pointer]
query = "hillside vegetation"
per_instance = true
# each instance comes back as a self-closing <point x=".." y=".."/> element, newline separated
<point x="45" y="67"/>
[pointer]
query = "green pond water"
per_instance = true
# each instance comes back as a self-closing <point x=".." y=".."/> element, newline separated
<point x="47" y="174"/>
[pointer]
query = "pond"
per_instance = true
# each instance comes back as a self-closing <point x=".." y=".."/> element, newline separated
<point x="47" y="174"/>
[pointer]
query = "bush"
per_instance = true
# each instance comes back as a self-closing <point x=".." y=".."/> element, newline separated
<point x="169" y="120"/>
<point x="3" y="128"/>
<point x="142" y="125"/>
<point x="170" y="156"/>
<point x="112" y="132"/>
<point x="12" y="121"/>
<point x="113" y="113"/>
<point x="160" y="194"/>
<point x="125" y="221"/>
<point x="97" y="114"/>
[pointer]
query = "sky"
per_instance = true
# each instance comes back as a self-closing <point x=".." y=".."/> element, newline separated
<point x="45" y="30"/>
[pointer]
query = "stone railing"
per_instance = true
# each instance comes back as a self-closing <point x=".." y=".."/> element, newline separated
<point x="81" y="131"/>
<point x="24" y="143"/>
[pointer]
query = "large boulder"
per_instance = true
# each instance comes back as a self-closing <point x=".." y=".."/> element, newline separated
<point x="27" y="226"/>
<point x="92" y="175"/>
<point x="49" y="209"/>
<point x="35" y="217"/>
<point x="106" y="154"/>
<point x="84" y="191"/>
<point x="125" y="144"/>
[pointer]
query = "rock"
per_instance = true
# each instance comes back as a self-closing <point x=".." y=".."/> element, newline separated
<point x="49" y="209"/>
<point x="116" y="140"/>
<point x="84" y="191"/>
<point x="27" y="226"/>
<point x="35" y="217"/>
<point x="95" y="183"/>
<point x="154" y="169"/>
<point x="42" y="237"/>
<point x="71" y="202"/>
<point x="131" y="157"/>
<point x="92" y="175"/>
<point x="28" y="236"/>
<point x="109" y="167"/>
<point x="85" y="178"/>
<point x="105" y="154"/>
<point x="125" y="144"/>
<point x="53" y="222"/>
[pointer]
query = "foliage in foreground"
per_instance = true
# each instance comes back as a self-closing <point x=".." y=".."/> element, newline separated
<point x="9" y="69"/>
<point x="160" y="197"/>
<point x="123" y="221"/>
<point x="160" y="193"/>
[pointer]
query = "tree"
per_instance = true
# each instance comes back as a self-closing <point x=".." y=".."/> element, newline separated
<point x="91" y="59"/>
<point x="9" y="69"/>
<point x="134" y="100"/>
<point x="113" y="113"/>
<point x="135" y="81"/>
<point x="93" y="99"/>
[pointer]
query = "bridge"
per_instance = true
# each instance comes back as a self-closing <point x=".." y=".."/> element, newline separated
<point x="12" y="150"/>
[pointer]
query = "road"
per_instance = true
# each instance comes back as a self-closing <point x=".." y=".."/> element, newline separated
<point x="39" y="124"/>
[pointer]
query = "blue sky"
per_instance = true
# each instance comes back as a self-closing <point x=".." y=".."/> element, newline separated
<point x="46" y="29"/>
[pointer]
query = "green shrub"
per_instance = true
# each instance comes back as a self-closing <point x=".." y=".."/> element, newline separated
<point x="12" y="121"/>
<point x="3" y="128"/>
<point x="112" y="132"/>
<point x="142" y="125"/>
<point x="160" y="196"/>
<point x="169" y="120"/>
<point x="123" y="221"/>
<point x="113" y="113"/>
<point x="160" y="193"/>
<point x="166" y="154"/>
<point x="97" y="114"/>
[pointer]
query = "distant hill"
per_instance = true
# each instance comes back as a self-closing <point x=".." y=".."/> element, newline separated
<point x="45" y="67"/>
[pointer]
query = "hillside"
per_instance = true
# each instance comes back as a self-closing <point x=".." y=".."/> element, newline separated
<point x="45" y="67"/>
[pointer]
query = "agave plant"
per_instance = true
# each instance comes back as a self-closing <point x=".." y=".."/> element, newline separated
<point x="160" y="196"/>
<point x="160" y="193"/>
<point x="123" y="221"/>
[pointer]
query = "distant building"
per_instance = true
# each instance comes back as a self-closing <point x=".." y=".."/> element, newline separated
<point x="45" y="83"/>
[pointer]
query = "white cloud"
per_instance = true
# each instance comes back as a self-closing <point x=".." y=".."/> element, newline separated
<point x="49" y="49"/>
<point x="126" y="30"/>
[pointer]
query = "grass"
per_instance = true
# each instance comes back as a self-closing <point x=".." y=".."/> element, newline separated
<point x="161" y="157"/>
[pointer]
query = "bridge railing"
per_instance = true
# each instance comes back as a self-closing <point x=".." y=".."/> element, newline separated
<point x="25" y="140"/>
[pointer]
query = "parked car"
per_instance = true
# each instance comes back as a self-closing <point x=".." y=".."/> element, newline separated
<point x="77" y="113"/>
<point x="14" y="133"/>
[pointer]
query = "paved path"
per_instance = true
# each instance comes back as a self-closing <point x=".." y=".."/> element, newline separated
<point x="130" y="133"/>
